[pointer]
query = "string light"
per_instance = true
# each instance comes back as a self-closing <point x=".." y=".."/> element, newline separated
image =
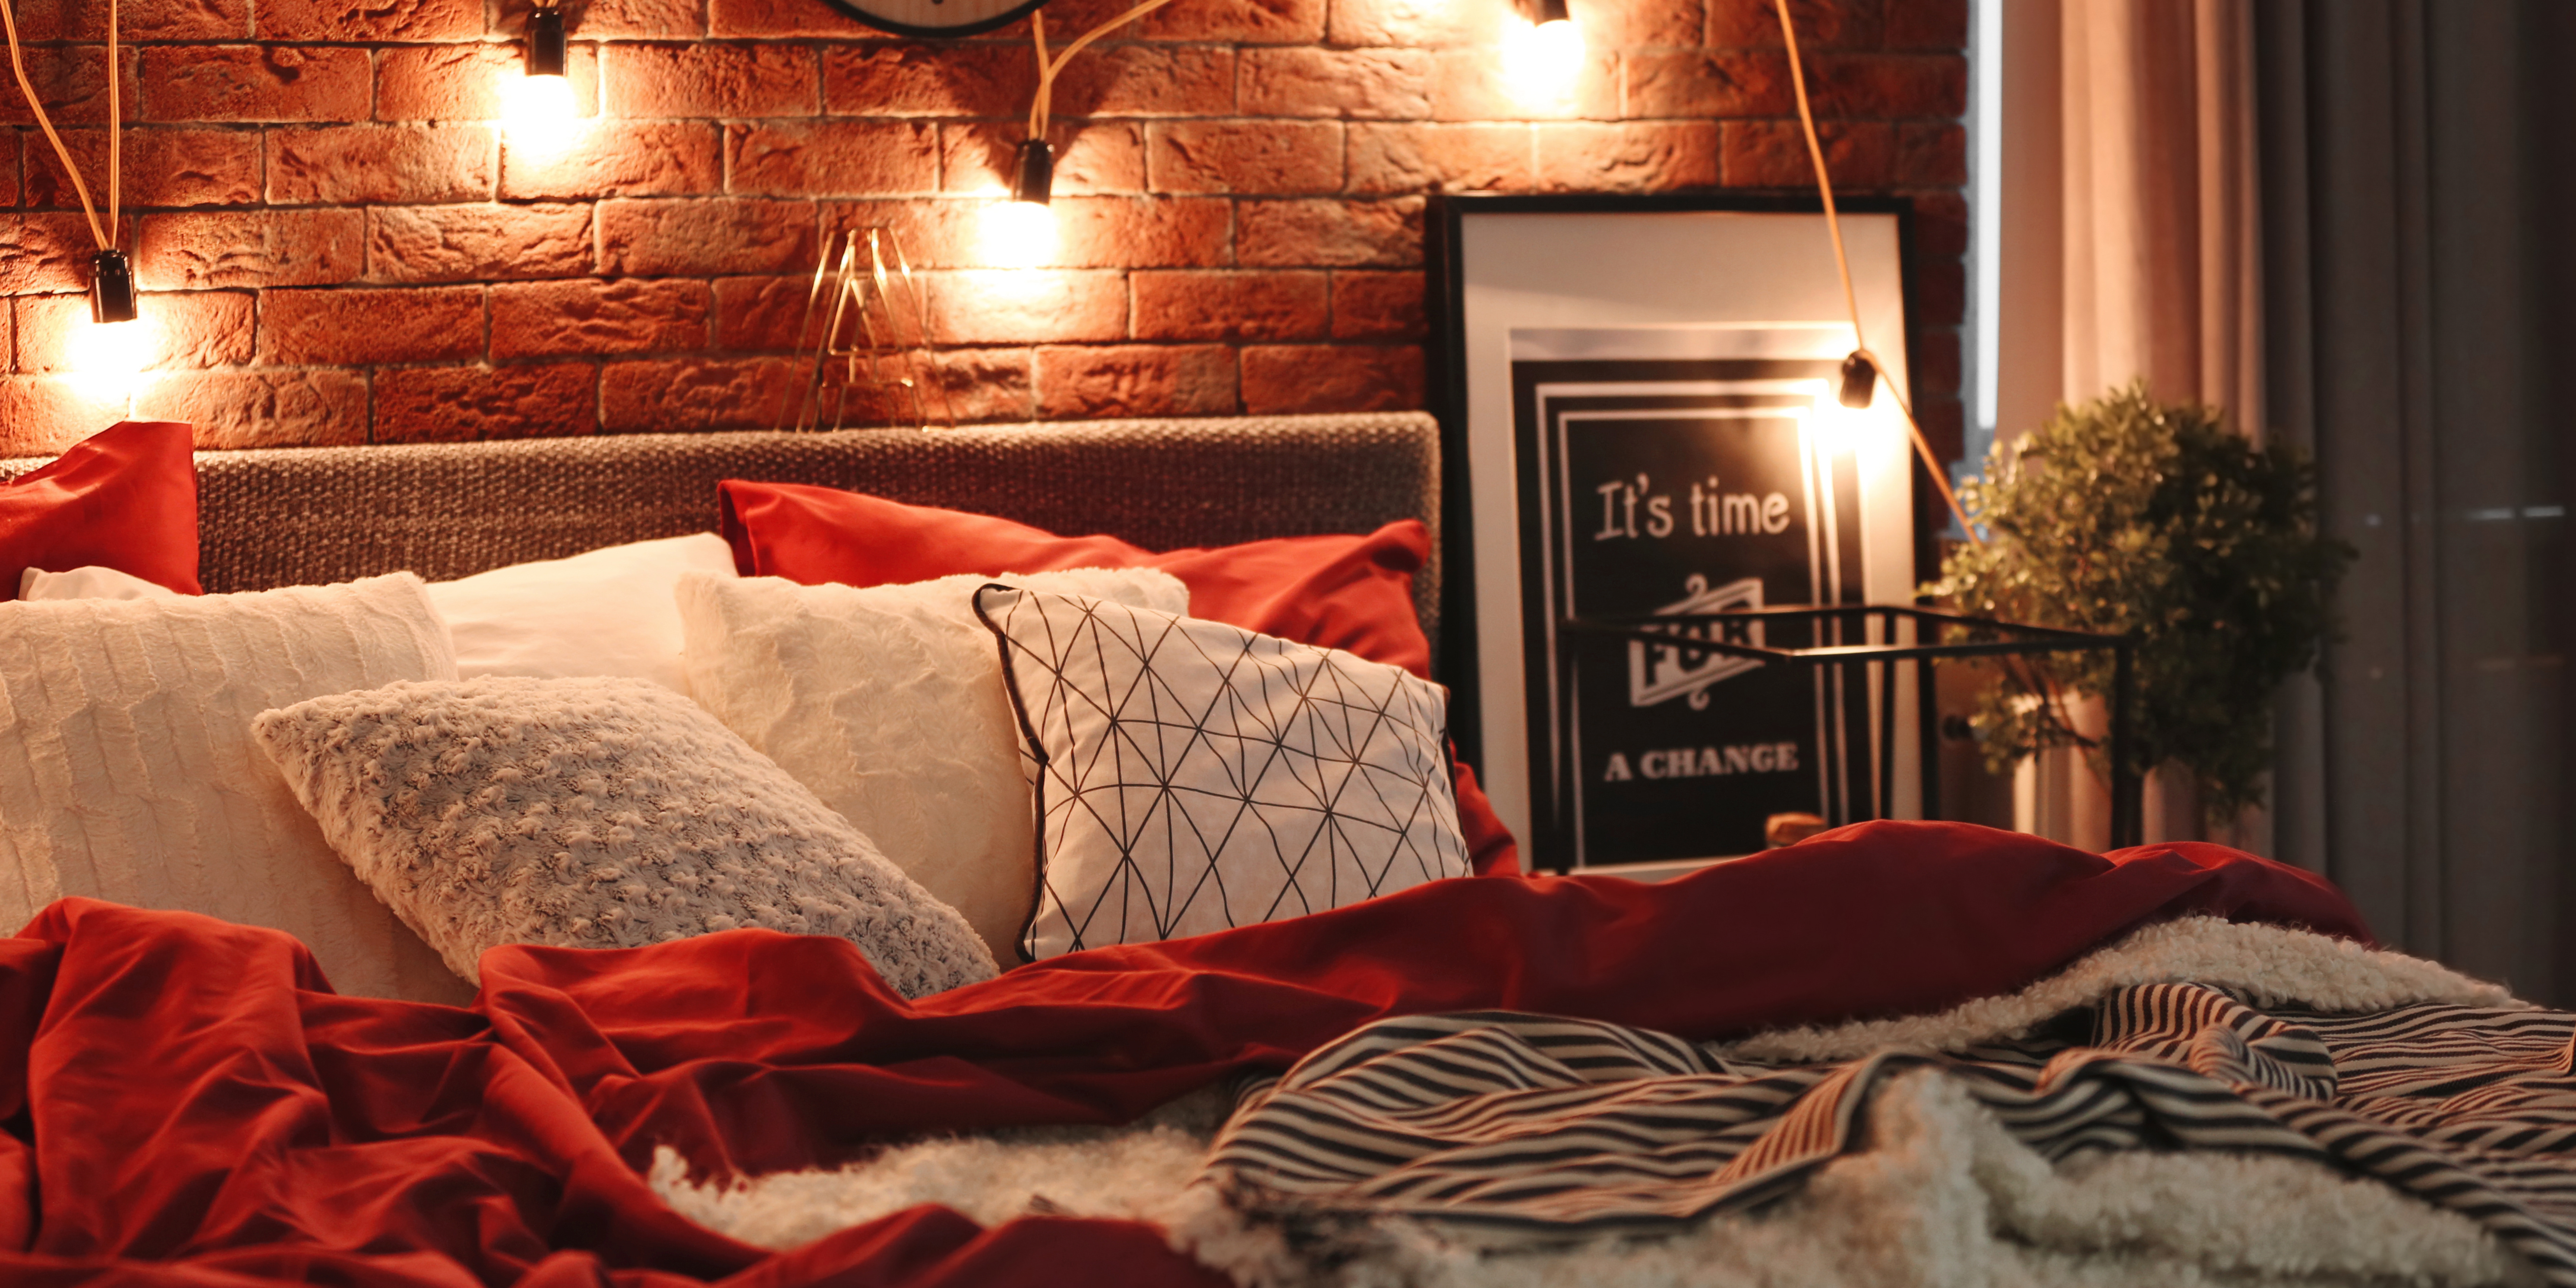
<point x="114" y="346"/>
<point x="1544" y="52"/>
<point x="537" y="106"/>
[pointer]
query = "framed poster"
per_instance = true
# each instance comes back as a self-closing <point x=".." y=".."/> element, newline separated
<point x="1641" y="420"/>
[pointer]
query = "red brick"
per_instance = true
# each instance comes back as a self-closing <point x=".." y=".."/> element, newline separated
<point x="472" y="404"/>
<point x="1361" y="84"/>
<point x="477" y="243"/>
<point x="255" y="83"/>
<point x="1932" y="363"/>
<point x="1143" y="232"/>
<point x="637" y="20"/>
<point x="619" y="159"/>
<point x="1279" y="379"/>
<point x="463" y="82"/>
<point x="1230" y="306"/>
<point x="706" y="80"/>
<point x="45" y="253"/>
<point x="1625" y="24"/>
<point x="1469" y="85"/>
<point x="1773" y="154"/>
<point x="348" y="164"/>
<point x="161" y="168"/>
<point x="1822" y="24"/>
<point x="1940" y="290"/>
<point x="1385" y="233"/>
<point x="1932" y="154"/>
<point x="832" y="158"/>
<point x="535" y="319"/>
<point x="929" y="233"/>
<point x="703" y="237"/>
<point x="136" y="20"/>
<point x="1419" y="24"/>
<point x="778" y="18"/>
<point x="72" y="82"/>
<point x="1710" y="83"/>
<point x="250" y="248"/>
<point x="325" y="407"/>
<point x="1147" y="80"/>
<point x="1090" y="157"/>
<point x="977" y="385"/>
<point x="1135" y="380"/>
<point x="1274" y="157"/>
<point x="1639" y="156"/>
<point x="760" y="313"/>
<point x="187" y="329"/>
<point x="1243" y="22"/>
<point x="1928" y="24"/>
<point x="1941" y="222"/>
<point x="1441" y="158"/>
<point x="1377" y="306"/>
<point x="42" y="415"/>
<point x="404" y="21"/>
<point x="1944" y="424"/>
<point x="680" y="395"/>
<point x="1026" y="306"/>
<point x="918" y="78"/>
<point x="1889" y="84"/>
<point x="355" y="327"/>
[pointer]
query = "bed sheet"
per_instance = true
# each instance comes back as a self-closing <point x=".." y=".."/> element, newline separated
<point x="186" y="1102"/>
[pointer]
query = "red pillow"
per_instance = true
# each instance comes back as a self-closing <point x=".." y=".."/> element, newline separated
<point x="1347" y="592"/>
<point x="123" y="498"/>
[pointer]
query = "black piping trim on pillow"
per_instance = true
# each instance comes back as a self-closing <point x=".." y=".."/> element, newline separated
<point x="1037" y="752"/>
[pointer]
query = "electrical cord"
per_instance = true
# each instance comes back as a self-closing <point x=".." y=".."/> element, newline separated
<point x="1042" y="103"/>
<point x="18" y="64"/>
<point x="1842" y="265"/>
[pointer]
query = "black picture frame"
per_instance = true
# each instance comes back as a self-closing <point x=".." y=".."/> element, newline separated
<point x="1460" y="661"/>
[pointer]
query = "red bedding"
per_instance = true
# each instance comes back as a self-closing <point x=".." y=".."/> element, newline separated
<point x="185" y="1102"/>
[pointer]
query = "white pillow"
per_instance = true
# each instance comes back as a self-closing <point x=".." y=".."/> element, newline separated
<point x="1193" y="776"/>
<point x="604" y="612"/>
<point x="888" y="703"/>
<point x="127" y="769"/>
<point x="594" y="813"/>
<point x="93" y="582"/>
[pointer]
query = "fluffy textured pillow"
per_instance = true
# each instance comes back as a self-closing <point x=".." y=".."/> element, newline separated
<point x="594" y="813"/>
<point x="123" y="498"/>
<point x="1193" y="776"/>
<point x="888" y="704"/>
<point x="604" y="612"/>
<point x="1345" y="592"/>
<point x="128" y="772"/>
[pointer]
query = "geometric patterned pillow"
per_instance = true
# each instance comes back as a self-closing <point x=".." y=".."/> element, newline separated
<point x="1193" y="776"/>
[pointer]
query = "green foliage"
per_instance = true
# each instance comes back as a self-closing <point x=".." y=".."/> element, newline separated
<point x="2127" y="515"/>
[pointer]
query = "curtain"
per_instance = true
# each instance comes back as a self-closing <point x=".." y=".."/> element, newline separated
<point x="2150" y="196"/>
<point x="2418" y="212"/>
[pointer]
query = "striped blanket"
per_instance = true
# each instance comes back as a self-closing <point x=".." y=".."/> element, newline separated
<point x="1515" y="1131"/>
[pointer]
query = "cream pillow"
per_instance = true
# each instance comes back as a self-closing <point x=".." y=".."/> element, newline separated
<point x="128" y="773"/>
<point x="888" y="703"/>
<point x="603" y="612"/>
<point x="92" y="582"/>
<point x="594" y="813"/>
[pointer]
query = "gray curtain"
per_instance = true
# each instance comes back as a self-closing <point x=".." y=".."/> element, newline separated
<point x="2419" y="196"/>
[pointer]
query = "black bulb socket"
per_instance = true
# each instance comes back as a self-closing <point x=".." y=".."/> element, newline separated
<point x="1036" y="178"/>
<point x="111" y="288"/>
<point x="1860" y="381"/>
<point x="546" y="47"/>
<point x="1544" y="11"/>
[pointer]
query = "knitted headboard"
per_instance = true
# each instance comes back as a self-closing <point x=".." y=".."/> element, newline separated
<point x="288" y="516"/>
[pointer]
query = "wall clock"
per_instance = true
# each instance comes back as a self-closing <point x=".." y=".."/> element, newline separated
<point x="935" y="18"/>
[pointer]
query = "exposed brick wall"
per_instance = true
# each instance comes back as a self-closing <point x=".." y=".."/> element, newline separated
<point x="340" y="245"/>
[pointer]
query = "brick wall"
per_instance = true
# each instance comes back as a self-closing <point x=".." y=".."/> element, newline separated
<point x="339" y="244"/>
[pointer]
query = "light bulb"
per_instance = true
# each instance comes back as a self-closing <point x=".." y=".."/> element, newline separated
<point x="1017" y="234"/>
<point x="1541" y="60"/>
<point x="106" y="359"/>
<point x="539" y="112"/>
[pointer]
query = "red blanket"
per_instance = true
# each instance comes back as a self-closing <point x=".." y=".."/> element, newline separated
<point x="186" y="1102"/>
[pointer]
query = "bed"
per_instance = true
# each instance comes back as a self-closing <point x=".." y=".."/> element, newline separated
<point x="1895" y="1053"/>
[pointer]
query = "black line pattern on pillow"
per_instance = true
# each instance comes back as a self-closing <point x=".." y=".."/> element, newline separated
<point x="1193" y="776"/>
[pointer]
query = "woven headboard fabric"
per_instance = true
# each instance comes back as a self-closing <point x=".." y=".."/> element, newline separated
<point x="294" y="516"/>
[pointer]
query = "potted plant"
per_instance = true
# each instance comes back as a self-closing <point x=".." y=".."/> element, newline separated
<point x="2126" y="515"/>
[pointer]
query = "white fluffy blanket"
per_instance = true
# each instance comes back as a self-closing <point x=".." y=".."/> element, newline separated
<point x="1943" y="1196"/>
